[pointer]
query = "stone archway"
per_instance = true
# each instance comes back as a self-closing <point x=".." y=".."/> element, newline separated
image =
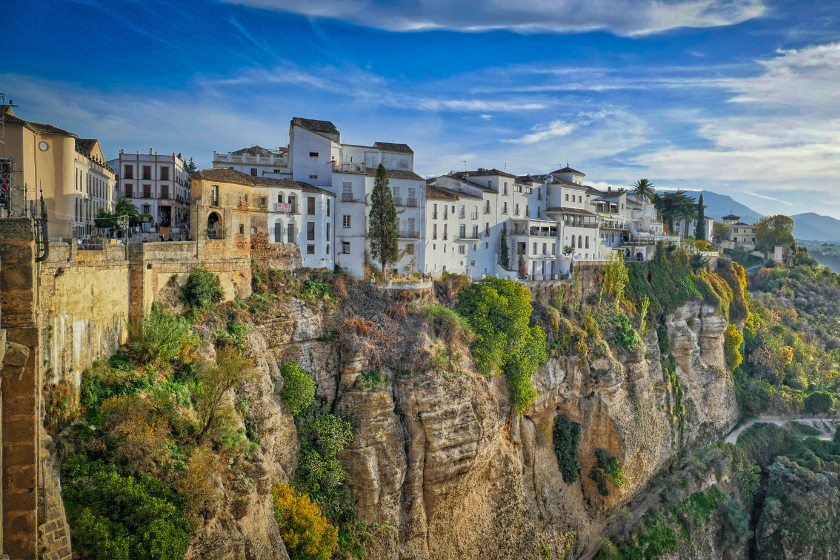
<point x="214" y="226"/>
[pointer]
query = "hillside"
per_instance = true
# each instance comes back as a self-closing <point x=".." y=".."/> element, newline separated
<point x="816" y="227"/>
<point x="719" y="205"/>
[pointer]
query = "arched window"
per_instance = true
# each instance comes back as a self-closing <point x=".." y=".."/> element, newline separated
<point x="573" y="242"/>
<point x="213" y="226"/>
<point x="278" y="231"/>
<point x="280" y="198"/>
<point x="580" y="242"/>
<point x="587" y="242"/>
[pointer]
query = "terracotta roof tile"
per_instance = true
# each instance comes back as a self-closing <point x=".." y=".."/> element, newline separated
<point x="396" y="174"/>
<point x="390" y="147"/>
<point x="324" y="127"/>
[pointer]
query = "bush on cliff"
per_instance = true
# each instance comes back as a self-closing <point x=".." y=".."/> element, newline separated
<point x="820" y="402"/>
<point x="499" y="311"/>
<point x="298" y="388"/>
<point x="566" y="438"/>
<point x="122" y="517"/>
<point x="202" y="289"/>
<point x="306" y="533"/>
<point x="160" y="338"/>
<point x="732" y="347"/>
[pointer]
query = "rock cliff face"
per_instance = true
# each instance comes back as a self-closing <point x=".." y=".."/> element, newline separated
<point x="440" y="459"/>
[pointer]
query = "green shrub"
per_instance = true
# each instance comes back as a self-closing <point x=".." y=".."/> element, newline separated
<point x="373" y="380"/>
<point x="130" y="518"/>
<point x="202" y="289"/>
<point x="322" y="437"/>
<point x="315" y="291"/>
<point x="732" y="342"/>
<point x="566" y="438"/>
<point x="160" y="338"/>
<point x="804" y="429"/>
<point x="600" y="480"/>
<point x="499" y="311"/>
<point x="610" y="465"/>
<point x="298" y="390"/>
<point x="626" y="337"/>
<point x="447" y="323"/>
<point x="819" y="402"/>
<point x="735" y="523"/>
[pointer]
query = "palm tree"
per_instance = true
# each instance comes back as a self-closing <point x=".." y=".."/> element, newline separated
<point x="643" y="190"/>
<point x="673" y="207"/>
<point x="125" y="207"/>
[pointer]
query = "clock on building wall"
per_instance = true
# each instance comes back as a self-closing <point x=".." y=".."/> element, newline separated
<point x="44" y="146"/>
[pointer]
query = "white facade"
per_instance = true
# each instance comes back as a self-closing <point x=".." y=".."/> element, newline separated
<point x="94" y="188"/>
<point x="317" y="156"/>
<point x="158" y="185"/>
<point x="256" y="161"/>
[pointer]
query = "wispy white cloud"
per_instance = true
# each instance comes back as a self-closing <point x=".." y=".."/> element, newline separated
<point x="768" y="198"/>
<point x="624" y="17"/>
<point x="543" y="132"/>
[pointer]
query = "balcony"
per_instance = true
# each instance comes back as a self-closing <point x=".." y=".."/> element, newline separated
<point x="471" y="236"/>
<point x="462" y="214"/>
<point x="286" y="207"/>
<point x="411" y="203"/>
<point x="434" y="215"/>
<point x="349" y="167"/>
<point x="487" y="210"/>
<point x="408" y="234"/>
<point x="474" y="215"/>
<point x="347" y="197"/>
<point x="534" y="232"/>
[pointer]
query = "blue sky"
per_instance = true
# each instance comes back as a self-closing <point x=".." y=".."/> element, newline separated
<point x="739" y="97"/>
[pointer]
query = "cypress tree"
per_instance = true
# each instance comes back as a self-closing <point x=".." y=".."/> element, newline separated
<point x="504" y="256"/>
<point x="383" y="222"/>
<point x="700" y="230"/>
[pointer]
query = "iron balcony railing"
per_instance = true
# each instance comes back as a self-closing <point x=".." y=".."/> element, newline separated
<point x="408" y="234"/>
<point x="347" y="197"/>
<point x="411" y="202"/>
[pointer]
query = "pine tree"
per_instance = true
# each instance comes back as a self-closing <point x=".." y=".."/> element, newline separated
<point x="504" y="256"/>
<point x="700" y="230"/>
<point x="383" y="222"/>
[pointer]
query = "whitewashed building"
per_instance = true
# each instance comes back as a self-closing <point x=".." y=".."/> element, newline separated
<point x="256" y="161"/>
<point x="158" y="185"/>
<point x="317" y="156"/>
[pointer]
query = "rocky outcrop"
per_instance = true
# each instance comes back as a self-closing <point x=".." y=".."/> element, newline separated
<point x="439" y="459"/>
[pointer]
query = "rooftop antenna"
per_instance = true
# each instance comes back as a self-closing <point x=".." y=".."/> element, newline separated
<point x="465" y="165"/>
<point x="3" y="117"/>
<point x="505" y="169"/>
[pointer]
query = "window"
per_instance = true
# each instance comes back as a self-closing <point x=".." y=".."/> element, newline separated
<point x="517" y="188"/>
<point x="310" y="205"/>
<point x="347" y="192"/>
<point x="164" y="173"/>
<point x="444" y="235"/>
<point x="411" y="225"/>
<point x="313" y="154"/>
<point x="253" y="230"/>
<point x="328" y="231"/>
<point x="434" y="211"/>
<point x="516" y="209"/>
<point x="545" y="248"/>
<point x="147" y="191"/>
<point x="128" y="190"/>
<point x="329" y="208"/>
<point x="475" y="232"/>
<point x="462" y="232"/>
<point x="310" y="249"/>
<point x="345" y="247"/>
<point x="262" y="201"/>
<point x="164" y="191"/>
<point x="147" y="172"/>
<point x="253" y="172"/>
<point x="504" y="192"/>
<point x="446" y="211"/>
<point x="412" y="197"/>
<point x="310" y="231"/>
<point x="587" y="242"/>
<point x="278" y="232"/>
<point x="214" y="195"/>
<point x="147" y="209"/>
<point x="504" y="208"/>
<point x="241" y="228"/>
<point x="128" y="172"/>
<point x="313" y="176"/>
<point x="434" y="231"/>
<point x="397" y="198"/>
<point x="246" y="198"/>
<point x="486" y="229"/>
<point x="486" y="206"/>
<point x="539" y="194"/>
<point x="328" y="249"/>
<point x="567" y="198"/>
<point x="462" y="249"/>
<point x="345" y="220"/>
<point x="535" y="248"/>
<point x="528" y="210"/>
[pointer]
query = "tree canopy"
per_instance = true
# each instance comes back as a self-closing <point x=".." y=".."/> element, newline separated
<point x="772" y="231"/>
<point x="382" y="230"/>
<point x="674" y="206"/>
<point x="643" y="189"/>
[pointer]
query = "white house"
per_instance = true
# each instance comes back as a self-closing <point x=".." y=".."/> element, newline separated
<point x="317" y="157"/>
<point x="256" y="161"/>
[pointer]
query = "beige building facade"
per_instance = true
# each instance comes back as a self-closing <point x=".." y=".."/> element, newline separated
<point x="70" y="172"/>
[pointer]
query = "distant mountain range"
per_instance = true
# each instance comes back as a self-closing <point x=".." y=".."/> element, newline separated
<point x="811" y="226"/>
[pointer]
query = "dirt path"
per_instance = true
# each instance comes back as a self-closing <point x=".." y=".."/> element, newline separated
<point x="826" y="426"/>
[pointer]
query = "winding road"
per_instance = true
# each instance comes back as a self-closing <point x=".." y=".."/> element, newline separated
<point x="826" y="426"/>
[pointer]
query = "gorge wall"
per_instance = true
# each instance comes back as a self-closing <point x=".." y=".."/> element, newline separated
<point x="442" y="463"/>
